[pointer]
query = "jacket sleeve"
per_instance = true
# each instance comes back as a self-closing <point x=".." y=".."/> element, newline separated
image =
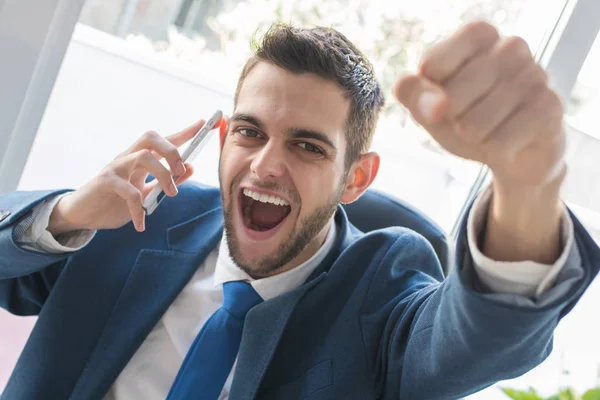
<point x="446" y="340"/>
<point x="26" y="275"/>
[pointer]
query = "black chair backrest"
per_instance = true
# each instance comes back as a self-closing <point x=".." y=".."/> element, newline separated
<point x="377" y="210"/>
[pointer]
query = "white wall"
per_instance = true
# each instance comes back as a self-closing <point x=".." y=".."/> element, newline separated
<point x="105" y="97"/>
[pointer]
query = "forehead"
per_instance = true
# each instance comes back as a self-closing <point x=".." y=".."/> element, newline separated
<point x="282" y="99"/>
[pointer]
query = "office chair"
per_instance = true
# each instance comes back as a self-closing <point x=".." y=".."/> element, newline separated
<point x="377" y="210"/>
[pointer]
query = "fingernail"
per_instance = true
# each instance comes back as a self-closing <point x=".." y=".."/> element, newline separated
<point x="173" y="189"/>
<point x="427" y="103"/>
<point x="180" y="168"/>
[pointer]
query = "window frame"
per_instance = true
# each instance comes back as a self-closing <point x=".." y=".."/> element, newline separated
<point x="562" y="56"/>
<point x="33" y="45"/>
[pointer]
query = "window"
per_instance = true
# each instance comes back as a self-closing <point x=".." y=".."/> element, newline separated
<point x="582" y="188"/>
<point x="575" y="360"/>
<point x="136" y="65"/>
<point x="178" y="60"/>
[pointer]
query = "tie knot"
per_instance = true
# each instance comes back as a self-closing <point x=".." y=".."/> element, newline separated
<point x="239" y="297"/>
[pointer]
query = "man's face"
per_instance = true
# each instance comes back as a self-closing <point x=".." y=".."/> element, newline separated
<point x="282" y="168"/>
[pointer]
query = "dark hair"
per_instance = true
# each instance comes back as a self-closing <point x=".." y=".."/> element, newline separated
<point x="329" y="54"/>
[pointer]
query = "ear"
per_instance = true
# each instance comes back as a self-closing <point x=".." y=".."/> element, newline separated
<point x="223" y="127"/>
<point x="361" y="175"/>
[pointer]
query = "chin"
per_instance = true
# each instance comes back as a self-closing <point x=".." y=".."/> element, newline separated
<point x="260" y="224"/>
<point x="266" y="232"/>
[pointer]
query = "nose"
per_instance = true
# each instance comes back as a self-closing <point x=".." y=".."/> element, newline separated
<point x="269" y="161"/>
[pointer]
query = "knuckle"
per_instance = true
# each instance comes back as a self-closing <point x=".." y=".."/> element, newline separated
<point x="513" y="55"/>
<point x="427" y="63"/>
<point x="150" y="135"/>
<point x="106" y="177"/>
<point x="517" y="47"/>
<point x="172" y="153"/>
<point x="144" y="154"/>
<point x="406" y="88"/>
<point x="481" y="31"/>
<point x="547" y="100"/>
<point x="538" y="76"/>
<point x="134" y="196"/>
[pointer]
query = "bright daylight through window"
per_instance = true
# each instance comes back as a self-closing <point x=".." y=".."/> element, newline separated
<point x="136" y="65"/>
<point x="208" y="42"/>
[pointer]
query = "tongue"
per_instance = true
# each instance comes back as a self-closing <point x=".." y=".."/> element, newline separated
<point x="267" y="215"/>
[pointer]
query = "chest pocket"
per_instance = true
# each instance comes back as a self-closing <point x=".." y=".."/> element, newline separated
<point x="315" y="379"/>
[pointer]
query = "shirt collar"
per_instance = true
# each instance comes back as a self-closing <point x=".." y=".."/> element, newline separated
<point x="226" y="270"/>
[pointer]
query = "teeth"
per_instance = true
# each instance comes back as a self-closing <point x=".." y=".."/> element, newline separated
<point x="265" y="198"/>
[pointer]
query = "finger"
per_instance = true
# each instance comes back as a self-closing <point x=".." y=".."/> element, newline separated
<point x="189" y="171"/>
<point x="486" y="71"/>
<point x="536" y="122"/>
<point x="162" y="148"/>
<point x="427" y="102"/>
<point x="144" y="160"/>
<point x="133" y="197"/>
<point x="185" y="135"/>
<point x="148" y="187"/>
<point x="138" y="179"/>
<point x="490" y="112"/>
<point x="445" y="58"/>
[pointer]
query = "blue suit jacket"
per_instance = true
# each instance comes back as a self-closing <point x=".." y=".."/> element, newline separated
<point x="375" y="320"/>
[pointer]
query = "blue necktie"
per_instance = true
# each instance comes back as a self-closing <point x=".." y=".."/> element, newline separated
<point x="210" y="358"/>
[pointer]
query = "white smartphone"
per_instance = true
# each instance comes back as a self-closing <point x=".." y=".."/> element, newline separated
<point x="157" y="194"/>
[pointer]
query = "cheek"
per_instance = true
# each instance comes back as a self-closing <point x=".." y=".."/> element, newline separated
<point x="315" y="186"/>
<point x="234" y="160"/>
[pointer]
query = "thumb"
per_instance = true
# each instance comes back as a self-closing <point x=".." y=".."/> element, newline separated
<point x="426" y="101"/>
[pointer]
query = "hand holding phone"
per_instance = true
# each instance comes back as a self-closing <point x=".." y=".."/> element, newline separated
<point x="115" y="196"/>
<point x="152" y="201"/>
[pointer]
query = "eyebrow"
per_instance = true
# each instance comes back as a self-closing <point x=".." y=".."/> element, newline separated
<point x="247" y="118"/>
<point x="296" y="133"/>
<point x="300" y="133"/>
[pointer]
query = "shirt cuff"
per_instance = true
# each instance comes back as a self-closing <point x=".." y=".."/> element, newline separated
<point x="38" y="237"/>
<point x="525" y="278"/>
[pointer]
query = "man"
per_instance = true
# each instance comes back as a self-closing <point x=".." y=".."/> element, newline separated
<point x="264" y="289"/>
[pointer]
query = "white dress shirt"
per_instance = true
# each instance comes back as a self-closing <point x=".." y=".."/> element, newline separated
<point x="152" y="369"/>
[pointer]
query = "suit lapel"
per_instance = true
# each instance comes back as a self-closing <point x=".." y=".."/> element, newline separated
<point x="153" y="283"/>
<point x="263" y="328"/>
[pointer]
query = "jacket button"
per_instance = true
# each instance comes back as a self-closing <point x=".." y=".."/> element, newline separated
<point x="4" y="215"/>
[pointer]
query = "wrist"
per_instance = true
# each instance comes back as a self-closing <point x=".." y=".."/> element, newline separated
<point x="524" y="222"/>
<point x="520" y="205"/>
<point x="58" y="223"/>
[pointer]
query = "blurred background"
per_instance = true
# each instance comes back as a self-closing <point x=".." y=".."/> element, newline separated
<point x="134" y="65"/>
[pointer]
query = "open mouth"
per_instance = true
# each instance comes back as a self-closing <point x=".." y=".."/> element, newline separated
<point x="262" y="212"/>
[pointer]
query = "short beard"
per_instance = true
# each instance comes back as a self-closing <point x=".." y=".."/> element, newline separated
<point x="297" y="240"/>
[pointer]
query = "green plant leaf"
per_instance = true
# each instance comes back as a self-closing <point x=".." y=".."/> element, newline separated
<point x="567" y="394"/>
<point x="514" y="394"/>
<point x="592" y="394"/>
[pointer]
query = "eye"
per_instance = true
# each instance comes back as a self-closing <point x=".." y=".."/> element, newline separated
<point x="310" y="147"/>
<point x="249" y="133"/>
